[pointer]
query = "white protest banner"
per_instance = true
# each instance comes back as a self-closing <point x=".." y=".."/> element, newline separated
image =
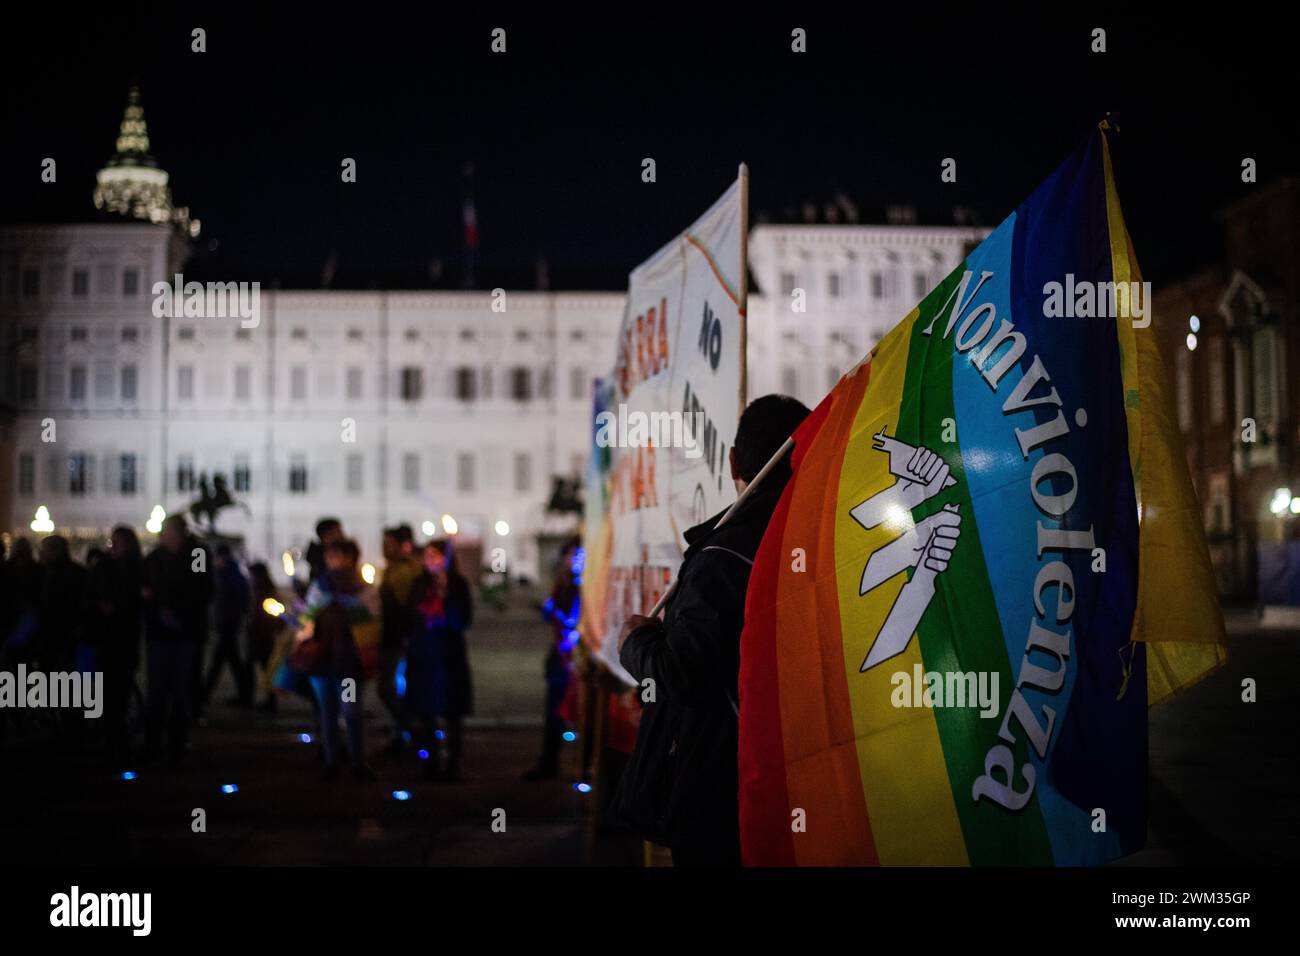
<point x="677" y="392"/>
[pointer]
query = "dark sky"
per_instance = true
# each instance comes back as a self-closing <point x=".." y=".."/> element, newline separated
<point x="253" y="131"/>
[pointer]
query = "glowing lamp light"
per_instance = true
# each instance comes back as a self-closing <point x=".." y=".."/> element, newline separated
<point x="154" y="524"/>
<point x="286" y="560"/>
<point x="440" y="734"/>
<point x="503" y="528"/>
<point x="273" y="607"/>
<point x="368" y="573"/>
<point x="305" y="738"/>
<point x="401" y="795"/>
<point x="127" y="775"/>
<point x="449" y="524"/>
<point x="229" y="788"/>
<point x="1281" y="501"/>
<point x="1194" y="323"/>
<point x="1295" y="506"/>
<point x="422" y="754"/>
<point x="41" y="521"/>
<point x="569" y="736"/>
<point x="1191" y="341"/>
<point x="429" y="529"/>
<point x="582" y="787"/>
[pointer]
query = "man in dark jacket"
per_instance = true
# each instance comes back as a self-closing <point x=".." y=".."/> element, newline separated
<point x="230" y="606"/>
<point x="328" y="532"/>
<point x="177" y="591"/>
<point x="686" y="752"/>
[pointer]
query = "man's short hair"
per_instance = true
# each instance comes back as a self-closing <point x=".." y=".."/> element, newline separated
<point x="178" y="523"/>
<point x="764" y="427"/>
<point x="346" y="547"/>
<point x="326" y="525"/>
<point x="405" y="533"/>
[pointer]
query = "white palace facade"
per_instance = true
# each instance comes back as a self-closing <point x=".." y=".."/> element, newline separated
<point x="375" y="407"/>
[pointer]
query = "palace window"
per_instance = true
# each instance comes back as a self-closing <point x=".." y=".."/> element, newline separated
<point x="78" y="473"/>
<point x="26" y="473"/>
<point x="129" y="383"/>
<point x="412" y="383"/>
<point x="127" y="480"/>
<point x="521" y="383"/>
<point x="465" y="471"/>
<point x="298" y="475"/>
<point x="465" y="383"/>
<point x="77" y="383"/>
<point x="185" y="383"/>
<point x="243" y="383"/>
<point x="243" y="474"/>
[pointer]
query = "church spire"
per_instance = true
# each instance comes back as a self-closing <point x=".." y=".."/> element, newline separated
<point x="133" y="138"/>
<point x="132" y="184"/>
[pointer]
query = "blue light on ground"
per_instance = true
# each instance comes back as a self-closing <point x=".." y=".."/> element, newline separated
<point x="569" y="736"/>
<point x="440" y="734"/>
<point x="305" y="738"/>
<point x="582" y="787"/>
<point x="422" y="754"/>
<point x="401" y="678"/>
<point x="128" y="775"/>
<point x="401" y="795"/>
<point x="229" y="788"/>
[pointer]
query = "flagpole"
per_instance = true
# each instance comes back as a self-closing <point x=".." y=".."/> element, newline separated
<point x="762" y="473"/>
<point x="744" y="285"/>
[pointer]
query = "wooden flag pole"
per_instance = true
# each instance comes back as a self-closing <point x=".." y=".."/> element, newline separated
<point x="743" y="302"/>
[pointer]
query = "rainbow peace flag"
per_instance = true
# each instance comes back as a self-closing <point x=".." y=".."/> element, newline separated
<point x="988" y="564"/>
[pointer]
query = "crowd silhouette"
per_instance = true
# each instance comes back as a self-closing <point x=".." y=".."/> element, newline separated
<point x="163" y="629"/>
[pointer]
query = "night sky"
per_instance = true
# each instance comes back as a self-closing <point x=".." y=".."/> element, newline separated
<point x="253" y="131"/>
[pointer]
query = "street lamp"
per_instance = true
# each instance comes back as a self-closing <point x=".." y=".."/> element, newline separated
<point x="503" y="527"/>
<point x="1282" y="501"/>
<point x="41" y="522"/>
<point x="429" y="529"/>
<point x="449" y="524"/>
<point x="155" y="522"/>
